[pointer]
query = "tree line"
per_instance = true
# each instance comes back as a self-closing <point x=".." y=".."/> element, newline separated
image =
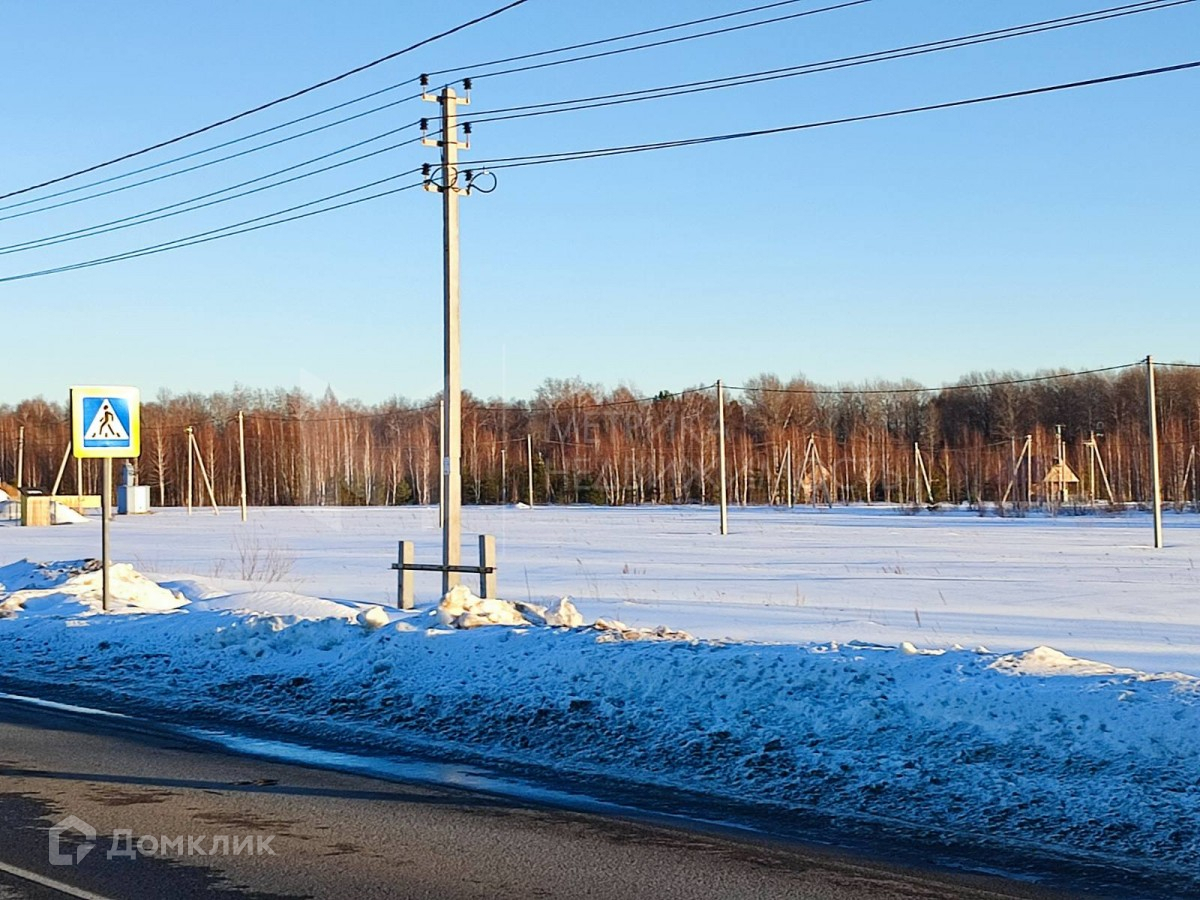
<point x="989" y="437"/>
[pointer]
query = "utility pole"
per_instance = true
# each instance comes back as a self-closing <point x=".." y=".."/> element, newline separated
<point x="1092" y="466"/>
<point x="1028" y="451"/>
<point x="1062" y="467"/>
<point x="20" y="457"/>
<point x="242" y="457"/>
<point x="442" y="455"/>
<point x="190" y="477"/>
<point x="1155" y="479"/>
<point x="917" y="472"/>
<point x="721" y="455"/>
<point x="790" y="495"/>
<point x="529" y="463"/>
<point x="447" y="184"/>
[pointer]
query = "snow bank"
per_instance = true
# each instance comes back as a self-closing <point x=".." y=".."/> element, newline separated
<point x="1036" y="750"/>
<point x="462" y="609"/>
<point x="61" y="514"/>
<point x="65" y="588"/>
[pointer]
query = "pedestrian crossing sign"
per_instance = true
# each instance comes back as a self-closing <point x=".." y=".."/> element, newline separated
<point x="106" y="422"/>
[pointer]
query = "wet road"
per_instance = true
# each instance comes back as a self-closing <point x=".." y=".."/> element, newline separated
<point x="238" y="826"/>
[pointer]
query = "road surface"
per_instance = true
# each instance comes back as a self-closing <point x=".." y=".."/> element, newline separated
<point x="309" y="832"/>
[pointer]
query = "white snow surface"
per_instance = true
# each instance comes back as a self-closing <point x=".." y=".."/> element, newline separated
<point x="812" y="659"/>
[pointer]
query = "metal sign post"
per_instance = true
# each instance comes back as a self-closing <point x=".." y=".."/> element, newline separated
<point x="106" y="423"/>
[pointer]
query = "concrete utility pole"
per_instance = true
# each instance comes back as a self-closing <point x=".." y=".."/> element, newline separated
<point x="190" y="476"/>
<point x="449" y="187"/>
<point x="1155" y="479"/>
<point x="529" y="463"/>
<point x="721" y="455"/>
<point x="1062" y="467"/>
<point x="21" y="457"/>
<point x="242" y="457"/>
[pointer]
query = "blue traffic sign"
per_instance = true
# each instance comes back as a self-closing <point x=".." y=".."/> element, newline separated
<point x="105" y="421"/>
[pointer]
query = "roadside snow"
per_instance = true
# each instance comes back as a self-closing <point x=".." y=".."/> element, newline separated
<point x="68" y="587"/>
<point x="462" y="609"/>
<point x="1033" y="749"/>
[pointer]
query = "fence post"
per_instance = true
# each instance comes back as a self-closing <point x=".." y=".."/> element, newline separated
<point x="404" y="580"/>
<point x="487" y="565"/>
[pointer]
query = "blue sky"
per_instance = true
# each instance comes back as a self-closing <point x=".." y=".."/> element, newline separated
<point x="1053" y="231"/>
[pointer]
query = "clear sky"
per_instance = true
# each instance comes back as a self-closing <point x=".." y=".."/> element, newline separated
<point x="1052" y="231"/>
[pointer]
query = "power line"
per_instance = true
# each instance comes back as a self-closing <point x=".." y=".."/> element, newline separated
<point x="621" y="37"/>
<point x="692" y="87"/>
<point x="214" y="234"/>
<point x="197" y="167"/>
<point x="147" y="217"/>
<point x="582" y="103"/>
<point x="938" y="390"/>
<point x="665" y="43"/>
<point x="573" y="156"/>
<point x="264" y="106"/>
<point x="597" y="153"/>
<point x="607" y="404"/>
<point x="504" y="114"/>
<point x="368" y="96"/>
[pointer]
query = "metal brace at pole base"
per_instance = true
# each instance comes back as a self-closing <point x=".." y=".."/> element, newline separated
<point x="486" y="570"/>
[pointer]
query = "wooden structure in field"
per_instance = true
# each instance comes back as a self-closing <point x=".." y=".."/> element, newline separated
<point x="1059" y="481"/>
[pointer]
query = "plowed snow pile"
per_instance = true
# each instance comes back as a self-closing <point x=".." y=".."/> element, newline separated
<point x="1034" y="749"/>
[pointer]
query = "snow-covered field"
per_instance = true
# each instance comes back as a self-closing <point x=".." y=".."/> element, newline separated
<point x="1001" y="682"/>
<point x="1088" y="586"/>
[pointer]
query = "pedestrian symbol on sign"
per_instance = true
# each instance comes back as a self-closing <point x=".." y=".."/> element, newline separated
<point x="106" y="422"/>
<point x="106" y="425"/>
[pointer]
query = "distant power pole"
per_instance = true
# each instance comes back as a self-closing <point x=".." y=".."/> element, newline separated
<point x="1155" y="478"/>
<point x="721" y="455"/>
<point x="446" y="182"/>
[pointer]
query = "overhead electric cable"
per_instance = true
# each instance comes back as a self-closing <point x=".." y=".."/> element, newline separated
<point x="620" y="37"/>
<point x="184" y="171"/>
<point x="691" y="87"/>
<point x="372" y="94"/>
<point x="575" y="155"/>
<point x="174" y="210"/>
<point x="669" y="41"/>
<point x="666" y="91"/>
<point x="572" y="156"/>
<point x="264" y="106"/>
<point x="592" y="102"/>
<point x="937" y="390"/>
<point x="214" y="234"/>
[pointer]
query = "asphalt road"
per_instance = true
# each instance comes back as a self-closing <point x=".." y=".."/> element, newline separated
<point x="331" y="834"/>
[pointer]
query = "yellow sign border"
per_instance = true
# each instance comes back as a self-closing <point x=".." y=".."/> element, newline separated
<point x="130" y="395"/>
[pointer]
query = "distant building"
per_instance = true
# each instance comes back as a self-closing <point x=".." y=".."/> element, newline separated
<point x="1059" y="481"/>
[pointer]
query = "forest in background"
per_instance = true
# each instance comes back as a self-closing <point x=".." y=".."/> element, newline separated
<point x="876" y="442"/>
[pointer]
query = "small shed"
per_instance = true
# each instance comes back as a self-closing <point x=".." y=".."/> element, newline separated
<point x="1060" y="480"/>
<point x="35" y="507"/>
